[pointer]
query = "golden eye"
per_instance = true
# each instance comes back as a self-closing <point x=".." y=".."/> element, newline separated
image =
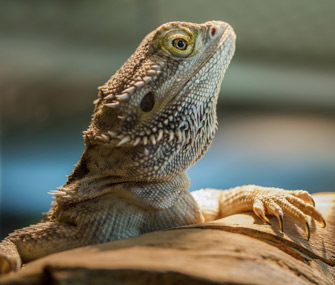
<point x="180" y="43"/>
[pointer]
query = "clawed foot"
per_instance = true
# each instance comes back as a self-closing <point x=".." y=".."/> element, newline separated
<point x="297" y="203"/>
<point x="7" y="265"/>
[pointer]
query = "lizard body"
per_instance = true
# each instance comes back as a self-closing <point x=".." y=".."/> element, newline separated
<point x="153" y="119"/>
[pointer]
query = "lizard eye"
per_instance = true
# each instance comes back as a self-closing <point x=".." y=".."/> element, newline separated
<point x="178" y="43"/>
<point x="147" y="102"/>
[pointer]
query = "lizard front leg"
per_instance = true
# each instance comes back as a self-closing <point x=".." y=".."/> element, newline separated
<point x="36" y="241"/>
<point x="216" y="204"/>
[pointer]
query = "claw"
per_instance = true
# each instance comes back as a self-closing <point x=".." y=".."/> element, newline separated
<point x="312" y="201"/>
<point x="307" y="230"/>
<point x="323" y="222"/>
<point x="264" y="219"/>
<point x="279" y="216"/>
<point x="259" y="211"/>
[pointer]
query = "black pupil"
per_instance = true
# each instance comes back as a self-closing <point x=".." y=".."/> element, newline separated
<point x="148" y="102"/>
<point x="179" y="43"/>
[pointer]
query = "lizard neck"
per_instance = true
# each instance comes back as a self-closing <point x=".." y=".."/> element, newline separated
<point x="157" y="194"/>
<point x="92" y="178"/>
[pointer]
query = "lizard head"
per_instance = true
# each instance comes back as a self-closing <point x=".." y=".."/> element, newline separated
<point x="157" y="113"/>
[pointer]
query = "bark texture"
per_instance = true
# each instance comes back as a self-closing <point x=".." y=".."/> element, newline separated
<point x="234" y="250"/>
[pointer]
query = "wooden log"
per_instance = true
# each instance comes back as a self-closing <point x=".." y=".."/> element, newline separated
<point x="234" y="250"/>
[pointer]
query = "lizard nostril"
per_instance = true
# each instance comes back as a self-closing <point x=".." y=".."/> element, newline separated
<point x="213" y="31"/>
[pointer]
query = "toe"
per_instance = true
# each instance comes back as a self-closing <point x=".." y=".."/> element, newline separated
<point x="303" y="195"/>
<point x="274" y="209"/>
<point x="306" y="209"/>
<point x="295" y="212"/>
<point x="259" y="210"/>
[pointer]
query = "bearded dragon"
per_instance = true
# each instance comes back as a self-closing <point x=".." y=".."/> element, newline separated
<point x="153" y="119"/>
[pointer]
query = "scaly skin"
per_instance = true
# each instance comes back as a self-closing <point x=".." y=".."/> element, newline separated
<point x="153" y="119"/>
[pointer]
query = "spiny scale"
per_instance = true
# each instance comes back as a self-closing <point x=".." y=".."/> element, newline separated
<point x="151" y="75"/>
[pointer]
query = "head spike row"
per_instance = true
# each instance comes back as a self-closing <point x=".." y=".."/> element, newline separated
<point x="139" y="83"/>
<point x="151" y="135"/>
<point x="126" y="94"/>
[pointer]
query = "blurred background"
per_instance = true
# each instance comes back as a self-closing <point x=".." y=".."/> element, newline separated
<point x="276" y="107"/>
